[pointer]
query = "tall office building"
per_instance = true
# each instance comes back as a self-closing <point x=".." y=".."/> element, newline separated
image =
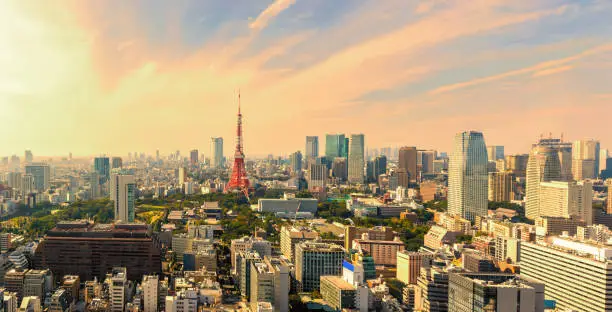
<point x="517" y="164"/>
<point x="340" y="169"/>
<point x="603" y="157"/>
<point x="409" y="265"/>
<point x="500" y="186"/>
<point x="217" y="152"/>
<point x="380" y="166"/>
<point x="313" y="260"/>
<point x="577" y="275"/>
<point x="468" y="176"/>
<point x="102" y="167"/>
<point x="41" y="174"/>
<point x="15" y="163"/>
<point x="193" y="157"/>
<point x="356" y="160"/>
<point x="408" y="163"/>
<point x="585" y="159"/>
<point x="28" y="156"/>
<point x="543" y="166"/>
<point x="495" y="152"/>
<point x="116" y="162"/>
<point x="426" y="159"/>
<point x="501" y="292"/>
<point x="334" y="145"/>
<point x="312" y="148"/>
<point x="270" y="283"/>
<point x="567" y="199"/>
<point x="28" y="185"/>
<point x="296" y="162"/>
<point x="182" y="175"/>
<point x="317" y="176"/>
<point x="123" y="194"/>
<point x="291" y="236"/>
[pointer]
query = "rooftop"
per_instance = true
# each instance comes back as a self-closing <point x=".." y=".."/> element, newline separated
<point x="338" y="282"/>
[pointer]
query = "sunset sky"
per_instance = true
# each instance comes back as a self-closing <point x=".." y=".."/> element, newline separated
<point x="113" y="77"/>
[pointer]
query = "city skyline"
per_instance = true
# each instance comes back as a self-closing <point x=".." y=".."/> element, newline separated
<point x="89" y="77"/>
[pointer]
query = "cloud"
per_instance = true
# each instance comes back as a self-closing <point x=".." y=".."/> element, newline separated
<point x="540" y="69"/>
<point x="270" y="13"/>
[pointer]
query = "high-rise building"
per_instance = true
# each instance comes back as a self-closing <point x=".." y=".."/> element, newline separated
<point x="14" y="282"/>
<point x="291" y="236"/>
<point x="380" y="166"/>
<point x="193" y="157"/>
<point x="296" y="162"/>
<point x="118" y="289"/>
<point x="92" y="250"/>
<point x="15" y="163"/>
<point x="35" y="283"/>
<point x="567" y="199"/>
<point x="495" y="152"/>
<point x="182" y="175"/>
<point x="312" y="148"/>
<point x="102" y="167"/>
<point x="270" y="283"/>
<point x="609" y="198"/>
<point x="577" y="275"/>
<point x="517" y="164"/>
<point x="340" y="169"/>
<point x="356" y="160"/>
<point x="123" y="195"/>
<point x="500" y="186"/>
<point x="603" y="157"/>
<point x="263" y="248"/>
<point x="244" y="261"/>
<point x="408" y="164"/>
<point x="500" y="292"/>
<point x="217" y="152"/>
<point x="468" y="176"/>
<point x="41" y="174"/>
<point x="28" y="156"/>
<point x="431" y="293"/>
<point x="313" y="260"/>
<point x="585" y="159"/>
<point x="409" y="265"/>
<point x="345" y="152"/>
<point x="150" y="288"/>
<point x="426" y="160"/>
<point x="543" y="166"/>
<point x="116" y="162"/>
<point x="334" y="145"/>
<point x="317" y="176"/>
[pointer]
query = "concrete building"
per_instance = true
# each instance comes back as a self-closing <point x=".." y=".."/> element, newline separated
<point x="507" y="249"/>
<point x="543" y="166"/>
<point x="291" y="236"/>
<point x="263" y="247"/>
<point x="517" y="164"/>
<point x="313" y="260"/>
<point x="61" y="301"/>
<point x="548" y="226"/>
<point x="295" y="160"/>
<point x="338" y="293"/>
<point x="244" y="261"/>
<point x="500" y="292"/>
<point x="438" y="236"/>
<point x="216" y="147"/>
<point x="495" y="152"/>
<point x="184" y="301"/>
<point x="356" y="159"/>
<point x="477" y="262"/>
<point x="41" y="173"/>
<point x="312" y="148"/>
<point x="14" y="282"/>
<point x="37" y="283"/>
<point x="383" y="252"/>
<point x="150" y="288"/>
<point x="409" y="265"/>
<point x="566" y="199"/>
<point x="408" y="164"/>
<point x="193" y="157"/>
<point x="585" y="159"/>
<point x="123" y="195"/>
<point x="340" y="169"/>
<point x="374" y="233"/>
<point x="501" y="186"/>
<point x="468" y="176"/>
<point x="118" y="289"/>
<point x="431" y="293"/>
<point x="577" y="275"/>
<point x="317" y="176"/>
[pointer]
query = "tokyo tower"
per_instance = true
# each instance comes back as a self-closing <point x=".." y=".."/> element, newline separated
<point x="239" y="180"/>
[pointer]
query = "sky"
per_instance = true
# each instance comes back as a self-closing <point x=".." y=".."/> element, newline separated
<point x="92" y="76"/>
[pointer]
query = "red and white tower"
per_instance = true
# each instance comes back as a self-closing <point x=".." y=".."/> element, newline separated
<point x="239" y="180"/>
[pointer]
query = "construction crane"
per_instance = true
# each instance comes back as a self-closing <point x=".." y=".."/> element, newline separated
<point x="296" y="211"/>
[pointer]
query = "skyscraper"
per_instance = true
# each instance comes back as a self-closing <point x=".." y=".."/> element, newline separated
<point x="193" y="157"/>
<point x="585" y="159"/>
<point x="500" y="186"/>
<point x="340" y="169"/>
<point x="317" y="176"/>
<point x="543" y="166"/>
<point x="334" y="145"/>
<point x="296" y="162"/>
<point x="117" y="162"/>
<point x="217" y="152"/>
<point x="41" y="174"/>
<point x="380" y="166"/>
<point x="123" y="194"/>
<point x="312" y="148"/>
<point x="495" y="152"/>
<point x="468" y="176"/>
<point x="603" y="157"/>
<point x="356" y="159"/>
<point x="408" y="164"/>
<point x="102" y="167"/>
<point x="567" y="199"/>
<point x="28" y="156"/>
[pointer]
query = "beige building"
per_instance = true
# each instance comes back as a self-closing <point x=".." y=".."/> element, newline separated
<point x="338" y="293"/>
<point x="500" y="186"/>
<point x="438" y="236"/>
<point x="383" y="252"/>
<point x="409" y="265"/>
<point x="290" y="236"/>
<point x="262" y="246"/>
<point x="567" y="199"/>
<point x="546" y="226"/>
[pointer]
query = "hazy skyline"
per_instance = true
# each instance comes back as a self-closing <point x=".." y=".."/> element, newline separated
<point x="92" y="77"/>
